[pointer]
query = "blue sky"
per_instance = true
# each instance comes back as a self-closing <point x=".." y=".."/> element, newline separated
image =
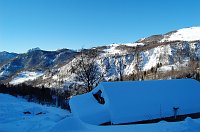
<point x="76" y="24"/>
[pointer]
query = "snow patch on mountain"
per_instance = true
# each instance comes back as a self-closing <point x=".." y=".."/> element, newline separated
<point x="133" y="44"/>
<point x="185" y="34"/>
<point x="25" y="76"/>
<point x="112" y="49"/>
<point x="156" y="55"/>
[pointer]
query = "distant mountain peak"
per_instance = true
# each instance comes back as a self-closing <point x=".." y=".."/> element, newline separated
<point x="34" y="49"/>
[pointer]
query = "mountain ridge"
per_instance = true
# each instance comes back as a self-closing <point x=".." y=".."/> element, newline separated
<point x="172" y="50"/>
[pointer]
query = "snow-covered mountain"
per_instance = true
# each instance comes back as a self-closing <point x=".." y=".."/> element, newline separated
<point x="185" y="34"/>
<point x="35" y="60"/>
<point x="166" y="52"/>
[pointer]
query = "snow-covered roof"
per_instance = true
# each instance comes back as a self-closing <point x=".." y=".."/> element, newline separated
<point x="88" y="109"/>
<point x="134" y="101"/>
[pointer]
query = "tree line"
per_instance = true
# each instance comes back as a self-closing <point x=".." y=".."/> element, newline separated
<point x="41" y="95"/>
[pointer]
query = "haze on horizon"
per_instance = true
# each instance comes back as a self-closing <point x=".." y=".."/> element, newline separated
<point x="76" y="24"/>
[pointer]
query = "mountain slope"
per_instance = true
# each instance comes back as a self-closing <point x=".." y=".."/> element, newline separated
<point x="34" y="60"/>
<point x="6" y="56"/>
<point x="185" y="34"/>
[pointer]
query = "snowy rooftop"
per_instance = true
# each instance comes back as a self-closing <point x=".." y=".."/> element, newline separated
<point x="138" y="100"/>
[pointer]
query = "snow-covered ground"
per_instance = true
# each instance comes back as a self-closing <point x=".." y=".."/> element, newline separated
<point x="75" y="125"/>
<point x="52" y="119"/>
<point x="25" y="76"/>
<point x="41" y="118"/>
